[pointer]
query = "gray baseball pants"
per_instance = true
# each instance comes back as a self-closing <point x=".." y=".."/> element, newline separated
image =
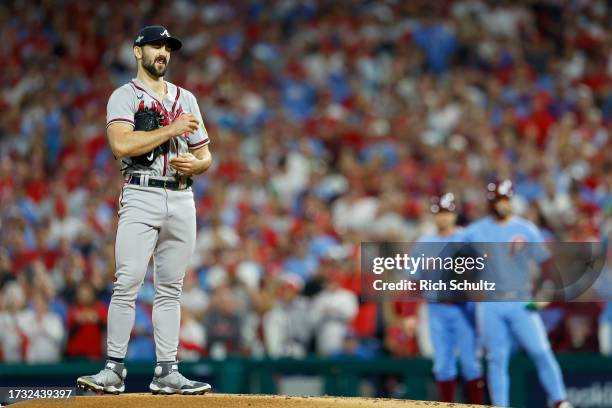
<point x="152" y="222"/>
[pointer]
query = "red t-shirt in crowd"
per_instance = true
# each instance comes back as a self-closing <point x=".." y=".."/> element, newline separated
<point x="85" y="339"/>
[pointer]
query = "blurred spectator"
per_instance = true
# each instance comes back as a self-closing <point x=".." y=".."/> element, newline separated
<point x="192" y="337"/>
<point x="355" y="211"/>
<point x="300" y="262"/>
<point x="437" y="42"/>
<point x="42" y="283"/>
<point x="193" y="298"/>
<point x="286" y="327"/>
<point x="13" y="340"/>
<point x="86" y="325"/>
<point x="401" y="334"/>
<point x="554" y="204"/>
<point x="44" y="332"/>
<point x="576" y="326"/>
<point x="71" y="272"/>
<point x="223" y="324"/>
<point x="64" y="225"/>
<point x="331" y="312"/>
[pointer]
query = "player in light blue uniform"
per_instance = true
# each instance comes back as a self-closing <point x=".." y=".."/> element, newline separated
<point x="502" y="321"/>
<point x="451" y="327"/>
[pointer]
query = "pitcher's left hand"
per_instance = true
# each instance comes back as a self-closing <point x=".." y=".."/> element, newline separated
<point x="187" y="164"/>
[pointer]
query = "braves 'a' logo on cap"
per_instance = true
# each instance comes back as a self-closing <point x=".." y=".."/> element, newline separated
<point x="165" y="33"/>
<point x="139" y="39"/>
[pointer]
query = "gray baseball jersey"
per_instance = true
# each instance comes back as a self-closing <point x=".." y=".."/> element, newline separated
<point x="153" y="222"/>
<point x="134" y="96"/>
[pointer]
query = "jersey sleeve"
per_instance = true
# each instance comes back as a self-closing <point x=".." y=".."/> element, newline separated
<point x="121" y="106"/>
<point x="538" y="250"/>
<point x="200" y="137"/>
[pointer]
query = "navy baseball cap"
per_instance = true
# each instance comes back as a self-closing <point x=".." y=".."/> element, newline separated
<point x="154" y="33"/>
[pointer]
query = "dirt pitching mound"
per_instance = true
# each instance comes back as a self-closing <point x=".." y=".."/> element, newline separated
<point x="229" y="400"/>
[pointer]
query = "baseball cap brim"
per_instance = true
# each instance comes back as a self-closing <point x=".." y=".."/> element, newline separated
<point x="173" y="43"/>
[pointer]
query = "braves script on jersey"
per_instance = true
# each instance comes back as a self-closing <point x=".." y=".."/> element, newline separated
<point x="134" y="96"/>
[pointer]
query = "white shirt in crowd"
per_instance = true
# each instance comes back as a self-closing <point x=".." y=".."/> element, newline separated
<point x="332" y="310"/>
<point x="44" y="337"/>
<point x="287" y="329"/>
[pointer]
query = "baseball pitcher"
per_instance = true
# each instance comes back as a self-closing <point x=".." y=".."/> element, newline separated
<point x="155" y="128"/>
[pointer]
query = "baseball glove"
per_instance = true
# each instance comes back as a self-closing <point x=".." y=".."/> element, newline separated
<point x="146" y="120"/>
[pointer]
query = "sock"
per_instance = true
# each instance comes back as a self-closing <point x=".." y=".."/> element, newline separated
<point x="446" y="390"/>
<point x="474" y="390"/>
<point x="115" y="359"/>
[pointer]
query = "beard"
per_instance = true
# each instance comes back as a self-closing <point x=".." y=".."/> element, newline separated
<point x="501" y="214"/>
<point x="149" y="65"/>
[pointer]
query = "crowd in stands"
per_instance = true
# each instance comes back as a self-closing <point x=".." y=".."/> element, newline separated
<point x="331" y="123"/>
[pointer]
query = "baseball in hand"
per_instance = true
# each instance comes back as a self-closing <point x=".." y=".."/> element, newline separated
<point x="181" y="158"/>
<point x="185" y="163"/>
